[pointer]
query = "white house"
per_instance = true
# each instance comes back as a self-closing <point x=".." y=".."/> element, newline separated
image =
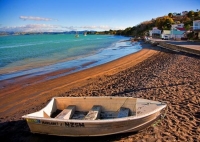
<point x="177" y="26"/>
<point x="176" y="14"/>
<point x="184" y="12"/>
<point x="196" y="27"/>
<point x="155" y="31"/>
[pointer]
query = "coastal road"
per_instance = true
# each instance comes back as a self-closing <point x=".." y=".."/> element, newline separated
<point x="186" y="44"/>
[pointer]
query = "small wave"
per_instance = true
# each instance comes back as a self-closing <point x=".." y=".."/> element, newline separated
<point x="79" y="40"/>
<point x="20" y="45"/>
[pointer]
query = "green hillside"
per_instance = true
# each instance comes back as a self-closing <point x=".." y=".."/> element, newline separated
<point x="163" y="23"/>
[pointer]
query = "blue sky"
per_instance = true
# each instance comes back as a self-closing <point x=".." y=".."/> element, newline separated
<point x="100" y="15"/>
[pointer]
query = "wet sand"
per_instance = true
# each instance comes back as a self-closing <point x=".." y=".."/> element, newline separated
<point x="152" y="73"/>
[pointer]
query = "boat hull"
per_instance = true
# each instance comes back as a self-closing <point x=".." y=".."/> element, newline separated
<point x="79" y="128"/>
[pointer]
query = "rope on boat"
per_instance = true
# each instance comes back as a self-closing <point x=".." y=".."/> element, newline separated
<point x="162" y="116"/>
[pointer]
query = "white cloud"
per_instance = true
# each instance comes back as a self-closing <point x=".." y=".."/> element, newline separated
<point x="54" y="28"/>
<point x="35" y="18"/>
<point x="70" y="28"/>
<point x="96" y="27"/>
<point x="32" y="28"/>
<point x="87" y="27"/>
<point x="102" y="27"/>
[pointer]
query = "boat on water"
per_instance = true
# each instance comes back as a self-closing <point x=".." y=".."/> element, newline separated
<point x="94" y="116"/>
<point x="85" y="33"/>
<point x="77" y="35"/>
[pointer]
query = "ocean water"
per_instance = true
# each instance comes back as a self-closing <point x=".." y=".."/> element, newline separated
<point x="39" y="54"/>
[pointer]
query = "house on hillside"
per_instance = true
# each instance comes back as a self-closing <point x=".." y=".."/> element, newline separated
<point x="174" y="26"/>
<point x="155" y="32"/>
<point x="181" y="29"/>
<point x="165" y="33"/>
<point x="177" y="31"/>
<point x="176" y="14"/>
<point x="173" y="34"/>
<point x="196" y="27"/>
<point x="177" y="34"/>
<point x="184" y="12"/>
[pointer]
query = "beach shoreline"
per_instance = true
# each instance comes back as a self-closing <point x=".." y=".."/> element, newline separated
<point x="77" y="63"/>
<point x="151" y="73"/>
<point x="39" y="85"/>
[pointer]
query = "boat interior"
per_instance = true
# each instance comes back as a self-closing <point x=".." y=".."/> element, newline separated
<point x="88" y="108"/>
<point x="97" y="108"/>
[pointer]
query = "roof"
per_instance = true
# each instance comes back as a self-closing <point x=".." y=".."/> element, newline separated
<point x="166" y="32"/>
<point x="181" y="29"/>
<point x="175" y="32"/>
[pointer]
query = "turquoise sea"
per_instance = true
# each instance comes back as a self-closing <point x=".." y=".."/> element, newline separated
<point x="39" y="54"/>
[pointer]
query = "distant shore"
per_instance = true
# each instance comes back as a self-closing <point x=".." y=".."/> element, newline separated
<point x="152" y="73"/>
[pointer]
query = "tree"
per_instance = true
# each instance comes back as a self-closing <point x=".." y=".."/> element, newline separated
<point x="127" y="31"/>
<point x="190" y="14"/>
<point x="111" y="31"/>
<point x="187" y="23"/>
<point x="119" y="32"/>
<point x="162" y="22"/>
<point x="106" y="32"/>
<point x="187" y="26"/>
<point x="186" y="19"/>
<point x="197" y="14"/>
<point x="170" y="15"/>
<point x="191" y="35"/>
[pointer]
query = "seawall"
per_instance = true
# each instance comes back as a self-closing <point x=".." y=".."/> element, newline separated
<point x="174" y="47"/>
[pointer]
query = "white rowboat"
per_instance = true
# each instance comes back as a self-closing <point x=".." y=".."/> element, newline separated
<point x="94" y="116"/>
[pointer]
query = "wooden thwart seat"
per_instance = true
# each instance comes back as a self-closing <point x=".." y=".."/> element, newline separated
<point x="123" y="112"/>
<point x="94" y="113"/>
<point x="67" y="113"/>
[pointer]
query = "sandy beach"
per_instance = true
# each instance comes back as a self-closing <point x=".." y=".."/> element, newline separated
<point x="152" y="73"/>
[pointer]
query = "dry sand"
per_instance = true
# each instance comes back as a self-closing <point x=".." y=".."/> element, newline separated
<point x="151" y="73"/>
